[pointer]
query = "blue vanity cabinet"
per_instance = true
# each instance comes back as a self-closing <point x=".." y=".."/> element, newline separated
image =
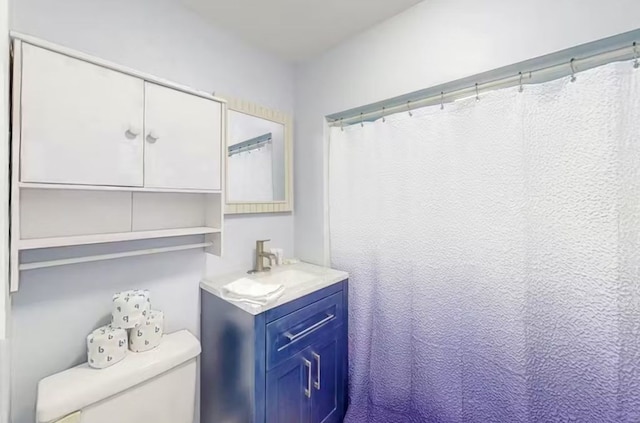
<point x="319" y="371"/>
<point x="285" y="365"/>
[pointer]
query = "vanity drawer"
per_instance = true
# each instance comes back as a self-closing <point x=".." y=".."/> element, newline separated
<point x="294" y="332"/>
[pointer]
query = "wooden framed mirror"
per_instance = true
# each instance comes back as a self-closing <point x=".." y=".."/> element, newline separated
<point x="259" y="159"/>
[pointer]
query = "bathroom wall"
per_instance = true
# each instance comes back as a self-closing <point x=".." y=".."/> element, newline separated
<point x="56" y="308"/>
<point x="432" y="43"/>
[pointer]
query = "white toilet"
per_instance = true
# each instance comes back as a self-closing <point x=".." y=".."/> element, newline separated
<point x="157" y="386"/>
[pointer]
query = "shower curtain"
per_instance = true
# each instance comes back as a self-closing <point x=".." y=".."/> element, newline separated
<point x="250" y="175"/>
<point x="494" y="255"/>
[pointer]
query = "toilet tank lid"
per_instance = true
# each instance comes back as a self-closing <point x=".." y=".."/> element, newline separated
<point x="74" y="389"/>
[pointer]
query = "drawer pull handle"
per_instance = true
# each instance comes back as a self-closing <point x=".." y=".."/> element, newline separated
<point x="317" y="382"/>
<point x="292" y="337"/>
<point x="307" y="391"/>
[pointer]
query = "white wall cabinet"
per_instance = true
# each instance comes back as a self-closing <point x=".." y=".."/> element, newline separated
<point x="183" y="140"/>
<point x="85" y="124"/>
<point x="102" y="154"/>
<point x="81" y="123"/>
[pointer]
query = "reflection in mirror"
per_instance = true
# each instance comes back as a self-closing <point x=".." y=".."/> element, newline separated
<point x="256" y="159"/>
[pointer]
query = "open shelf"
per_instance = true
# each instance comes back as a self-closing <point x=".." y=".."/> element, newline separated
<point x="31" y="185"/>
<point x="31" y="244"/>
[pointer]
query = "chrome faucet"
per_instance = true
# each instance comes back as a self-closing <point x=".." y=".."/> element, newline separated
<point x="260" y="256"/>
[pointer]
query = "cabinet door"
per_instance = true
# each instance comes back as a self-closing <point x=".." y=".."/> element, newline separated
<point x="183" y="140"/>
<point x="81" y="123"/>
<point x="328" y="386"/>
<point x="289" y="390"/>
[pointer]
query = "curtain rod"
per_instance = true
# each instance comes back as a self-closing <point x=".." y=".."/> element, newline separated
<point x="567" y="62"/>
<point x="250" y="144"/>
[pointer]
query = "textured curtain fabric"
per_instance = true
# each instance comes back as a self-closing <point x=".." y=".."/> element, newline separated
<point x="494" y="255"/>
<point x="250" y="175"/>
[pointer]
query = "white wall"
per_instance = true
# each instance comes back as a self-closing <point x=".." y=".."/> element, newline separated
<point x="434" y="42"/>
<point x="55" y="309"/>
<point x="4" y="210"/>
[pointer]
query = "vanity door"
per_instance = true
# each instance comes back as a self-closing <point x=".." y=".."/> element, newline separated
<point x="183" y="136"/>
<point x="80" y="123"/>
<point x="328" y="386"/>
<point x="289" y="390"/>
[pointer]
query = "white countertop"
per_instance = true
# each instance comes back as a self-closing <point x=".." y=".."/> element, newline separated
<point x="318" y="278"/>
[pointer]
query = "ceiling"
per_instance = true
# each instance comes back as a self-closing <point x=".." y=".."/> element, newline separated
<point x="297" y="29"/>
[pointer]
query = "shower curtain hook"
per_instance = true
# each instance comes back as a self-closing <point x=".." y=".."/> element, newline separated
<point x="573" y="70"/>
<point x="409" y="108"/>
<point x="636" y="55"/>
<point x="384" y="118"/>
<point x="441" y="100"/>
<point x="361" y="121"/>
<point x="521" y="89"/>
<point x="477" y="93"/>
<point x="342" y="124"/>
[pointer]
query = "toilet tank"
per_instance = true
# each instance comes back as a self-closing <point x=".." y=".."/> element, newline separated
<point x="156" y="386"/>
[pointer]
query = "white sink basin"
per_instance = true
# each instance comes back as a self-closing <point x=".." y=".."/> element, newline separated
<point x="298" y="280"/>
<point x="288" y="278"/>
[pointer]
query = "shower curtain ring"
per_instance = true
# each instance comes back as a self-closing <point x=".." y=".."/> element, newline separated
<point x="521" y="89"/>
<point x="409" y="108"/>
<point x="441" y="100"/>
<point x="361" y="121"/>
<point x="573" y="70"/>
<point x="636" y="55"/>
<point x="384" y="118"/>
<point x="477" y="93"/>
<point x="342" y="124"/>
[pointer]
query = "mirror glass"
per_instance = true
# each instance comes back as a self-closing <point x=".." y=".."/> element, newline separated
<point x="256" y="159"/>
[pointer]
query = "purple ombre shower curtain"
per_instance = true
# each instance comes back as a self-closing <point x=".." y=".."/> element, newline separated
<point x="494" y="255"/>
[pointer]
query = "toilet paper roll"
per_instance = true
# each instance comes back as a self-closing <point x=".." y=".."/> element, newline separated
<point x="130" y="308"/>
<point x="148" y="335"/>
<point x="106" y="346"/>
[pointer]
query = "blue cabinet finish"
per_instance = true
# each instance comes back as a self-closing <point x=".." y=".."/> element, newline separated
<point x="328" y="391"/>
<point x="286" y="365"/>
<point x="286" y="401"/>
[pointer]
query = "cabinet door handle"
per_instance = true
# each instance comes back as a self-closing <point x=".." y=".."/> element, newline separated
<point x="152" y="137"/>
<point x="132" y="132"/>
<point x="292" y="337"/>
<point x="307" y="390"/>
<point x="317" y="382"/>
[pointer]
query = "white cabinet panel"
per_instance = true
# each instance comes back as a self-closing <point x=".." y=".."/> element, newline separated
<point x="54" y="213"/>
<point x="75" y="118"/>
<point x="153" y="210"/>
<point x="182" y="140"/>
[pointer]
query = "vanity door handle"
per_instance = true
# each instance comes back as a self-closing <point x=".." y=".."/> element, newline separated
<point x="317" y="382"/>
<point x="293" y="336"/>
<point x="307" y="391"/>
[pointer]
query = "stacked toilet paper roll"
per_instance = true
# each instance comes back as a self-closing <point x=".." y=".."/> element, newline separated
<point x="106" y="346"/>
<point x="130" y="308"/>
<point x="134" y="326"/>
<point x="148" y="335"/>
